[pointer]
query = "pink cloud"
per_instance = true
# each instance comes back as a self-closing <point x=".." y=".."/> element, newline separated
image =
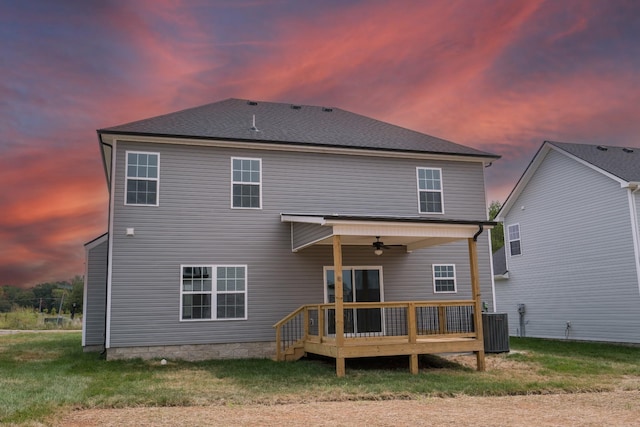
<point x="498" y="75"/>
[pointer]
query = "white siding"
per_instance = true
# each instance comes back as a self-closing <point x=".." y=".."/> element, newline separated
<point x="577" y="260"/>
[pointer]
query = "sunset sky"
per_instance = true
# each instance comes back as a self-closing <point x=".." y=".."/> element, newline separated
<point x="500" y="76"/>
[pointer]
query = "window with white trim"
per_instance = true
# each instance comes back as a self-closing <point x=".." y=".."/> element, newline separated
<point x="246" y="183"/>
<point x="430" y="198"/>
<point x="141" y="186"/>
<point x="515" y="246"/>
<point x="210" y="292"/>
<point x="444" y="278"/>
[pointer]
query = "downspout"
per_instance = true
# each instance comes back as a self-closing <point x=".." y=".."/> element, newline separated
<point x="480" y="229"/>
<point x="492" y="272"/>
<point x="107" y="296"/>
<point x="635" y="228"/>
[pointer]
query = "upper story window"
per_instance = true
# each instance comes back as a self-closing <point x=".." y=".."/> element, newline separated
<point x="515" y="247"/>
<point x="430" y="190"/>
<point x="142" y="178"/>
<point x="246" y="183"/>
<point x="444" y="278"/>
<point x="210" y="292"/>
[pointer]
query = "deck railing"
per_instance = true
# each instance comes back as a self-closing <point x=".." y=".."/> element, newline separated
<point x="412" y="320"/>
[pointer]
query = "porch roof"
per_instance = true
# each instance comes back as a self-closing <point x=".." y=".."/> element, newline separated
<point x="412" y="232"/>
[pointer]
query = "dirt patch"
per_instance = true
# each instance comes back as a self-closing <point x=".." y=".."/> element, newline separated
<point x="620" y="408"/>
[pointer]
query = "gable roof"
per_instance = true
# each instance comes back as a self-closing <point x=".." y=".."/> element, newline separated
<point x="279" y="123"/>
<point x="621" y="164"/>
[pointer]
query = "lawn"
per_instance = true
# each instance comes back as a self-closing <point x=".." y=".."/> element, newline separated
<point x="42" y="374"/>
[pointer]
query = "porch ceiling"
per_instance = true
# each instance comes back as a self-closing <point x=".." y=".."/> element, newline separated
<point x="411" y="232"/>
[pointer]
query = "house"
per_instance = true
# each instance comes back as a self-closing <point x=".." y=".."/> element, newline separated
<point x="572" y="245"/>
<point x="232" y="217"/>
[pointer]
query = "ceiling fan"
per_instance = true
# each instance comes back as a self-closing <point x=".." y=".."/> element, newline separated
<point x="379" y="246"/>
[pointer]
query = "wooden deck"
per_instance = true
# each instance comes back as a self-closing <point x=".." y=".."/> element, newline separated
<point x="400" y="328"/>
<point x="355" y="329"/>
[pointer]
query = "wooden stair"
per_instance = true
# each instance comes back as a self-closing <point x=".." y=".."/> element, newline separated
<point x="294" y="351"/>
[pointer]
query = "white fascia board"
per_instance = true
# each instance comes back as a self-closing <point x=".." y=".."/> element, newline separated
<point x="403" y="230"/>
<point x="307" y="219"/>
<point x="533" y="167"/>
<point x="635" y="230"/>
<point x="96" y="242"/>
<point x="107" y="329"/>
<point x="623" y="183"/>
<point x="273" y="146"/>
<point x="523" y="181"/>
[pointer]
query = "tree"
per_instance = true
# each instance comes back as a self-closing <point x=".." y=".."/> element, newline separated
<point x="5" y="304"/>
<point x="44" y="297"/>
<point x="76" y="295"/>
<point x="497" y="234"/>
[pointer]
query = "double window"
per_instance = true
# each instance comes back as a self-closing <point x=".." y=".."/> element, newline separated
<point x="444" y="278"/>
<point x="142" y="178"/>
<point x="210" y="292"/>
<point x="430" y="190"/>
<point x="513" y="233"/>
<point x="246" y="183"/>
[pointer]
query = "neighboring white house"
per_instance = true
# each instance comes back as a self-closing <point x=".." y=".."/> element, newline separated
<point x="572" y="245"/>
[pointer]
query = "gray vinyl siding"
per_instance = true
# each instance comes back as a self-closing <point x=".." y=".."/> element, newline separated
<point x="577" y="261"/>
<point x="194" y="224"/>
<point x="95" y="292"/>
<point x="305" y="234"/>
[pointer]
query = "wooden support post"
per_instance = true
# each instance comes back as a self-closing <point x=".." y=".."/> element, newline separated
<point x="413" y="364"/>
<point x="306" y="323"/>
<point x="340" y="367"/>
<point x="337" y="269"/>
<point x="321" y="312"/>
<point x="412" y="326"/>
<point x="442" y="319"/>
<point x="477" y="311"/>
<point x="278" y="344"/>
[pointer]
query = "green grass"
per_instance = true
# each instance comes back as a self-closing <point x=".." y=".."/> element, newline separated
<point x="21" y="318"/>
<point x="42" y="374"/>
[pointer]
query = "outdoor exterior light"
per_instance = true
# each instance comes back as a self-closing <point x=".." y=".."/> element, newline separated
<point x="378" y="252"/>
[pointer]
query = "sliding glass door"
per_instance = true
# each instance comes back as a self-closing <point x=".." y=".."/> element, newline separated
<point x="360" y="284"/>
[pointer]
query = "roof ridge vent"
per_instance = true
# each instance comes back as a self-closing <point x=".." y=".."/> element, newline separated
<point x="602" y="148"/>
<point x="627" y="150"/>
<point x="252" y="103"/>
<point x="296" y="107"/>
<point x="327" y="109"/>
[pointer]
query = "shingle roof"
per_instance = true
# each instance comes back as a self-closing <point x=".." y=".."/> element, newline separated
<point x="232" y="119"/>
<point x="619" y="161"/>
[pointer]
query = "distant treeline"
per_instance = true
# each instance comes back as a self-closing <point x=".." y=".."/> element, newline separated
<point x="45" y="297"/>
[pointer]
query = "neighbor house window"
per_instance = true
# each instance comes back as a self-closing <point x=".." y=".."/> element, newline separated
<point x="430" y="190"/>
<point x="142" y="178"/>
<point x="212" y="292"/>
<point x="444" y="278"/>
<point x="246" y="183"/>
<point x="515" y="247"/>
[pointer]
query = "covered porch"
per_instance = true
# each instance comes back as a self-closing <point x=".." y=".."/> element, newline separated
<point x="383" y="328"/>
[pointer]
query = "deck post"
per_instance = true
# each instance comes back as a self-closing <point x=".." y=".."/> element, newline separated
<point x="477" y="310"/>
<point x="413" y="364"/>
<point x="337" y="269"/>
<point x="278" y="344"/>
<point x="412" y="328"/>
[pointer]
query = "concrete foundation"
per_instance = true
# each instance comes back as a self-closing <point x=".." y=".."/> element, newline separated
<point x="195" y="352"/>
